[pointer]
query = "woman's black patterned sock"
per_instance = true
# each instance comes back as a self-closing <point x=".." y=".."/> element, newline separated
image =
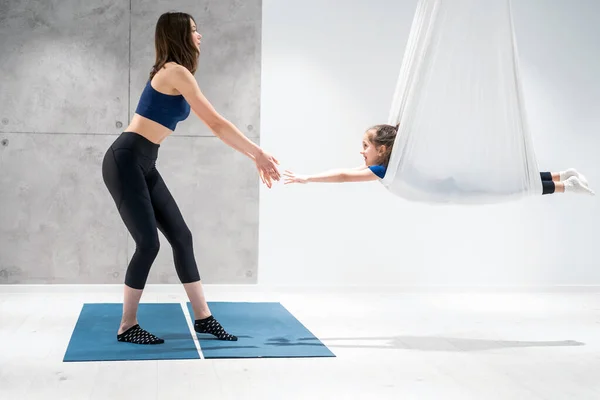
<point x="137" y="335"/>
<point x="212" y="326"/>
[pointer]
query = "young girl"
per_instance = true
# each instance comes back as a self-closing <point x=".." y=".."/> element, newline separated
<point x="376" y="150"/>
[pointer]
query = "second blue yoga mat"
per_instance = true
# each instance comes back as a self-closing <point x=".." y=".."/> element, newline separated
<point x="264" y="329"/>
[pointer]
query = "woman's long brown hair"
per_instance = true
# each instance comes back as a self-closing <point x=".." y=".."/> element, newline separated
<point x="173" y="42"/>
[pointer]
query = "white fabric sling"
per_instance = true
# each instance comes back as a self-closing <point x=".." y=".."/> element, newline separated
<point x="463" y="137"/>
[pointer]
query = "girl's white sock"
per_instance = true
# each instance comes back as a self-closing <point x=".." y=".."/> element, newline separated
<point x="566" y="174"/>
<point x="575" y="185"/>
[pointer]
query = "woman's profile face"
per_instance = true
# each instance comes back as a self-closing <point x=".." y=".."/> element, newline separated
<point x="196" y="37"/>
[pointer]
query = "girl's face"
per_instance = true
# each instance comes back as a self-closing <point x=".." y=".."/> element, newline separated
<point x="369" y="151"/>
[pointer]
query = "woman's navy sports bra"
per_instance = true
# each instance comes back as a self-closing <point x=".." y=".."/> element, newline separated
<point x="166" y="109"/>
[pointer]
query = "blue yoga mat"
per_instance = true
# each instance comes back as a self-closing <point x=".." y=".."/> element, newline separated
<point x="264" y="330"/>
<point x="95" y="335"/>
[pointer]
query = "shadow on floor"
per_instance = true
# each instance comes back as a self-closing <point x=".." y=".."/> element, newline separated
<point x="428" y="343"/>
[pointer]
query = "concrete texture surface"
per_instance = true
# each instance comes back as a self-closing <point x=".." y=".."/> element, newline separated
<point x="71" y="76"/>
<point x="229" y="65"/>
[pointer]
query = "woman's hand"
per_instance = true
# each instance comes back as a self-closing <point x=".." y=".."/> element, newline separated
<point x="267" y="168"/>
<point x="290" y="177"/>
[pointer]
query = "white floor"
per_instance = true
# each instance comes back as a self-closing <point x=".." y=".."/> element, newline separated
<point x="390" y="343"/>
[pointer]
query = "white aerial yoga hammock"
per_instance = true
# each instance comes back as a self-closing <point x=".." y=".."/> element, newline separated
<point x="463" y="136"/>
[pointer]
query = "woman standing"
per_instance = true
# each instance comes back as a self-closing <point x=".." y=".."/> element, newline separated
<point x="139" y="192"/>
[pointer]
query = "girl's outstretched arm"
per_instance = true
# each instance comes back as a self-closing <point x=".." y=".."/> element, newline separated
<point x="333" y="176"/>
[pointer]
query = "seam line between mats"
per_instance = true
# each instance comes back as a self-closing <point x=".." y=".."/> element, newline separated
<point x="188" y="319"/>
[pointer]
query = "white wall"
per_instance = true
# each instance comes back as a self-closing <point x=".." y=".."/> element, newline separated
<point x="329" y="70"/>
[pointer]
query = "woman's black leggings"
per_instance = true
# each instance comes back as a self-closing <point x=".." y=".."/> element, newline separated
<point x="145" y="205"/>
<point x="547" y="183"/>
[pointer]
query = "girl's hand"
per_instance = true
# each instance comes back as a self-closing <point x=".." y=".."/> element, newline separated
<point x="290" y="177"/>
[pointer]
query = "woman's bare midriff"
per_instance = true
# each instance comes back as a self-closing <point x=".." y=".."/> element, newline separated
<point x="153" y="131"/>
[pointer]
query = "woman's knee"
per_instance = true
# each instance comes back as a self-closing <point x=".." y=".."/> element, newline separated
<point x="148" y="244"/>
<point x="146" y="250"/>
<point x="182" y="240"/>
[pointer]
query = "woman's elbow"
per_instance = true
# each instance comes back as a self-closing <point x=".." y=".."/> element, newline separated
<point x="216" y="123"/>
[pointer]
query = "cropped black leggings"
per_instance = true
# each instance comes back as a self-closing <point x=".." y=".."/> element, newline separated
<point x="145" y="205"/>
<point x="548" y="186"/>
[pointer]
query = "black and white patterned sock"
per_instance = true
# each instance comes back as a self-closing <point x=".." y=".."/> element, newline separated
<point x="137" y="335"/>
<point x="212" y="326"/>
